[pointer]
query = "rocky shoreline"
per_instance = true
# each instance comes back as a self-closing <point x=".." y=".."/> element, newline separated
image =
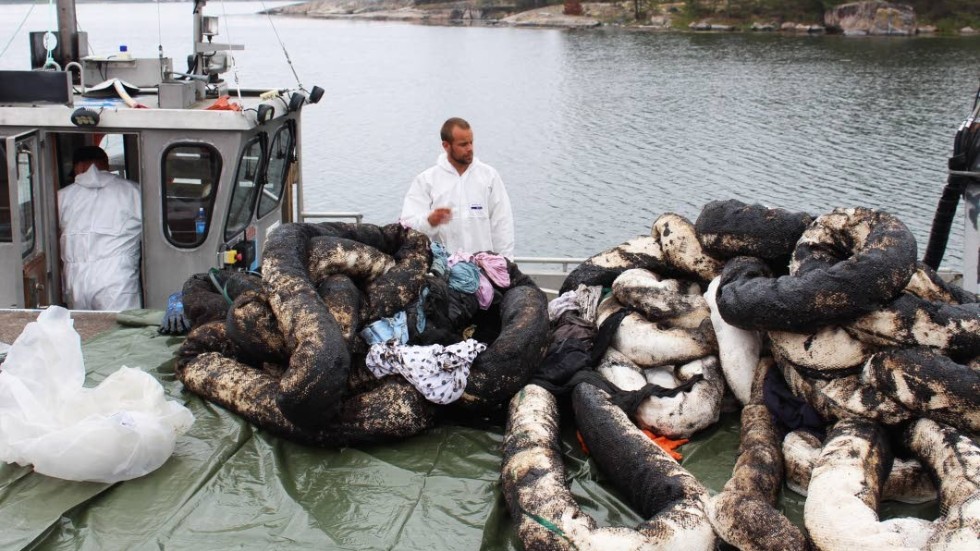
<point x="859" y="18"/>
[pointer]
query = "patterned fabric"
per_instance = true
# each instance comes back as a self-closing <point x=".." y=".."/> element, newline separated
<point x="438" y="372"/>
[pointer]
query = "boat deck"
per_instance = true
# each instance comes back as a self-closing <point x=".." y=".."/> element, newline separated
<point x="88" y="324"/>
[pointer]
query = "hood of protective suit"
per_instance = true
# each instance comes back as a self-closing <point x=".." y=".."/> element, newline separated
<point x="91" y="178"/>
<point x="443" y="162"/>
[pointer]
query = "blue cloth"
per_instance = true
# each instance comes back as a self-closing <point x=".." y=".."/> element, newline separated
<point x="387" y="329"/>
<point x="439" y="259"/>
<point x="464" y="277"/>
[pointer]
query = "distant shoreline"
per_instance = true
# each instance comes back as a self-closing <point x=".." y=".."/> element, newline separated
<point x="669" y="18"/>
<point x="595" y="15"/>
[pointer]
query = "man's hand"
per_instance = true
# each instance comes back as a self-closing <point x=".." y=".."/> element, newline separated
<point x="440" y="216"/>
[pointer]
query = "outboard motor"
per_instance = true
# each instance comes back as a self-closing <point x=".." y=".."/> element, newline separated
<point x="963" y="180"/>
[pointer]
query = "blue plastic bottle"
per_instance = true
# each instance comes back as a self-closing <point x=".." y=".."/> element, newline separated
<point x="200" y="223"/>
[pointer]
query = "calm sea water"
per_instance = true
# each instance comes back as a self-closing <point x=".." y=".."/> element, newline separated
<point x="595" y="132"/>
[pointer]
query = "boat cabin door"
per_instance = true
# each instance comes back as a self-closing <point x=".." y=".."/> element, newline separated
<point x="24" y="282"/>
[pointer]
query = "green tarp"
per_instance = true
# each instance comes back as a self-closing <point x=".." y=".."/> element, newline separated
<point x="230" y="486"/>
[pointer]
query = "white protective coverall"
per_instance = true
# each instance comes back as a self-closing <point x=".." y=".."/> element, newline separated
<point x="481" y="219"/>
<point x="100" y="217"/>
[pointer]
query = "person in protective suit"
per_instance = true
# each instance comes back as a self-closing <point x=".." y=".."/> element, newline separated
<point x="100" y="219"/>
<point x="461" y="202"/>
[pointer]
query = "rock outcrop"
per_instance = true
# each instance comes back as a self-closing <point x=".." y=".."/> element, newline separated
<point x="550" y="16"/>
<point x="462" y="11"/>
<point x="871" y="18"/>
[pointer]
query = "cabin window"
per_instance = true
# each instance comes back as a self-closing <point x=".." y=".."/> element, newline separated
<point x="276" y="170"/>
<point x="190" y="175"/>
<point x="6" y="232"/>
<point x="25" y="199"/>
<point x="247" y="181"/>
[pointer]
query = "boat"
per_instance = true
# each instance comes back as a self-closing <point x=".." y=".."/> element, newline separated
<point x="192" y="148"/>
<point x="231" y="485"/>
<point x="244" y="167"/>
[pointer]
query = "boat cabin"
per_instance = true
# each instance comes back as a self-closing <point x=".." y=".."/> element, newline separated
<point x="195" y="148"/>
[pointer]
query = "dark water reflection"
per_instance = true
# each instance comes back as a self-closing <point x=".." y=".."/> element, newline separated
<point x="598" y="132"/>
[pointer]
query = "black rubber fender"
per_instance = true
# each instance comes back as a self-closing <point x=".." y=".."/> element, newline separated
<point x="314" y="385"/>
<point x="392" y="410"/>
<point x="928" y="384"/>
<point x="253" y="327"/>
<point x="204" y="303"/>
<point x="507" y="363"/>
<point x="874" y="257"/>
<point x="604" y="267"/>
<point x="731" y="228"/>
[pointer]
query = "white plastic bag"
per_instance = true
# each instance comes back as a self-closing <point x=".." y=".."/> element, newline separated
<point x="122" y="429"/>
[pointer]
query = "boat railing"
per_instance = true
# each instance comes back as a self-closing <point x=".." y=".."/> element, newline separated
<point x="564" y="264"/>
<point x="308" y="216"/>
<point x="549" y="272"/>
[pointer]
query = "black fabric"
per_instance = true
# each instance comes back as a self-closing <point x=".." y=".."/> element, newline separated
<point x="519" y="328"/>
<point x="462" y="308"/>
<point x="570" y="325"/>
<point x="626" y="400"/>
<point x="630" y="400"/>
<point x="439" y="327"/>
<point x="489" y="323"/>
<point x="607" y="330"/>
<point x="788" y="410"/>
<point x="563" y="360"/>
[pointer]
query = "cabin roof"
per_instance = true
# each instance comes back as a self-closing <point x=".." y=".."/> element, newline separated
<point x="48" y="99"/>
<point x="116" y="115"/>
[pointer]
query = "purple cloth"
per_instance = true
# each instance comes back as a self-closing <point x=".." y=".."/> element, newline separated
<point x="484" y="293"/>
<point x="495" y="266"/>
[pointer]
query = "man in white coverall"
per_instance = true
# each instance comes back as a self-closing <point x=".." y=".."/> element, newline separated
<point x="461" y="202"/>
<point x="100" y="217"/>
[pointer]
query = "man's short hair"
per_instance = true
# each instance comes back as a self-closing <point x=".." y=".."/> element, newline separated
<point x="89" y="153"/>
<point x="447" y="128"/>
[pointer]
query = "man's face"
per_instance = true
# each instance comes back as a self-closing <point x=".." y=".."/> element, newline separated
<point x="461" y="148"/>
